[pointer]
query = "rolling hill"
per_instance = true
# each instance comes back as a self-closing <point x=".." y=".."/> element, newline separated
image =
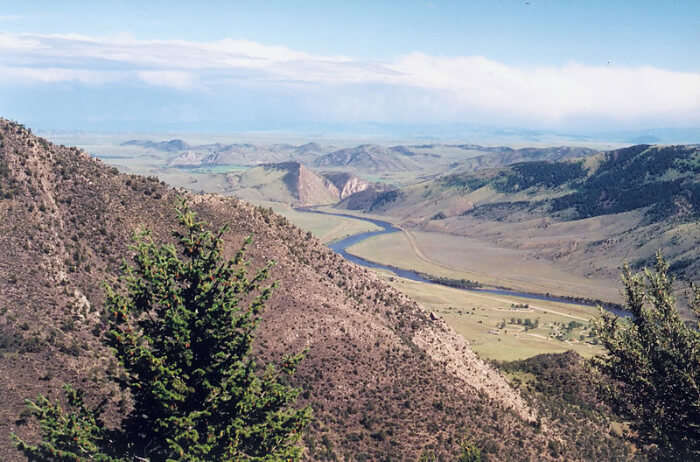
<point x="501" y="156"/>
<point x="385" y="378"/>
<point x="239" y="153"/>
<point x="370" y="157"/>
<point x="174" y="145"/>
<point x="590" y="214"/>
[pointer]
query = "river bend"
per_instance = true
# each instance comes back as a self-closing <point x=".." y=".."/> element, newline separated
<point x="342" y="245"/>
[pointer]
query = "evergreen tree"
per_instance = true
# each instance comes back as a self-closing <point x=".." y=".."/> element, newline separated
<point x="653" y="361"/>
<point x="67" y="436"/>
<point x="183" y="334"/>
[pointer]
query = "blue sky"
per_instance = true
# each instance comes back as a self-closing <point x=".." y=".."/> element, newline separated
<point x="252" y="65"/>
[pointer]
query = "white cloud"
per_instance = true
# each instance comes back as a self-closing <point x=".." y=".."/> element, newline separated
<point x="555" y="93"/>
<point x="14" y="43"/>
<point x="446" y="88"/>
<point x="25" y="75"/>
<point x="175" y="79"/>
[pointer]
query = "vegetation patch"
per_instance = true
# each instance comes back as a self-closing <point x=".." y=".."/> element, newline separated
<point x="563" y="388"/>
<point x="525" y="175"/>
<point x="385" y="198"/>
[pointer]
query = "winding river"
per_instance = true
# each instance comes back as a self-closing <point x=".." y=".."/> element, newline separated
<point x="342" y="245"/>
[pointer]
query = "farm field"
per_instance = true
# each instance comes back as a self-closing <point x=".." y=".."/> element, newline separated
<point x="499" y="327"/>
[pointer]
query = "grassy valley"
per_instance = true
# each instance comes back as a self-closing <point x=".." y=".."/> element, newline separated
<point x="506" y="328"/>
<point x="581" y="216"/>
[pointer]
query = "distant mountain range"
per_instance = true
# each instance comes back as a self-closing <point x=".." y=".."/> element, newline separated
<point x="427" y="133"/>
<point x="168" y="146"/>
<point x="364" y="158"/>
<point x="501" y="156"/>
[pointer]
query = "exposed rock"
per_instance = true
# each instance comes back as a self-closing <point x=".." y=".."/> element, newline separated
<point x="346" y="183"/>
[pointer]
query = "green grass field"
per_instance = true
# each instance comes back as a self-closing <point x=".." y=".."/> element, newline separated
<point x="496" y="330"/>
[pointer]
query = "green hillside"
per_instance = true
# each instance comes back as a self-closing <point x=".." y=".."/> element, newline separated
<point x="662" y="180"/>
<point x="588" y="214"/>
<point x="665" y="179"/>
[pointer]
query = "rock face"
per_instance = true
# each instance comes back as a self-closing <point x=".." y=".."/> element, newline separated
<point x="384" y="379"/>
<point x="287" y="182"/>
<point x="187" y="159"/>
<point x="309" y="187"/>
<point x="346" y="183"/>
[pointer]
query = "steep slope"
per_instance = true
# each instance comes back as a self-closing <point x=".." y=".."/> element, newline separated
<point x="288" y="182"/>
<point x="386" y="380"/>
<point x="667" y="179"/>
<point x="346" y="183"/>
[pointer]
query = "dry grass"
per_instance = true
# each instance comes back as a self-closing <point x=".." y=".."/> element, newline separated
<point x="460" y="257"/>
<point x="477" y="316"/>
<point x="327" y="228"/>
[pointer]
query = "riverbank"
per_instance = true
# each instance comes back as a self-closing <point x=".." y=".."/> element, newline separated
<point x="492" y="319"/>
<point x="342" y="246"/>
